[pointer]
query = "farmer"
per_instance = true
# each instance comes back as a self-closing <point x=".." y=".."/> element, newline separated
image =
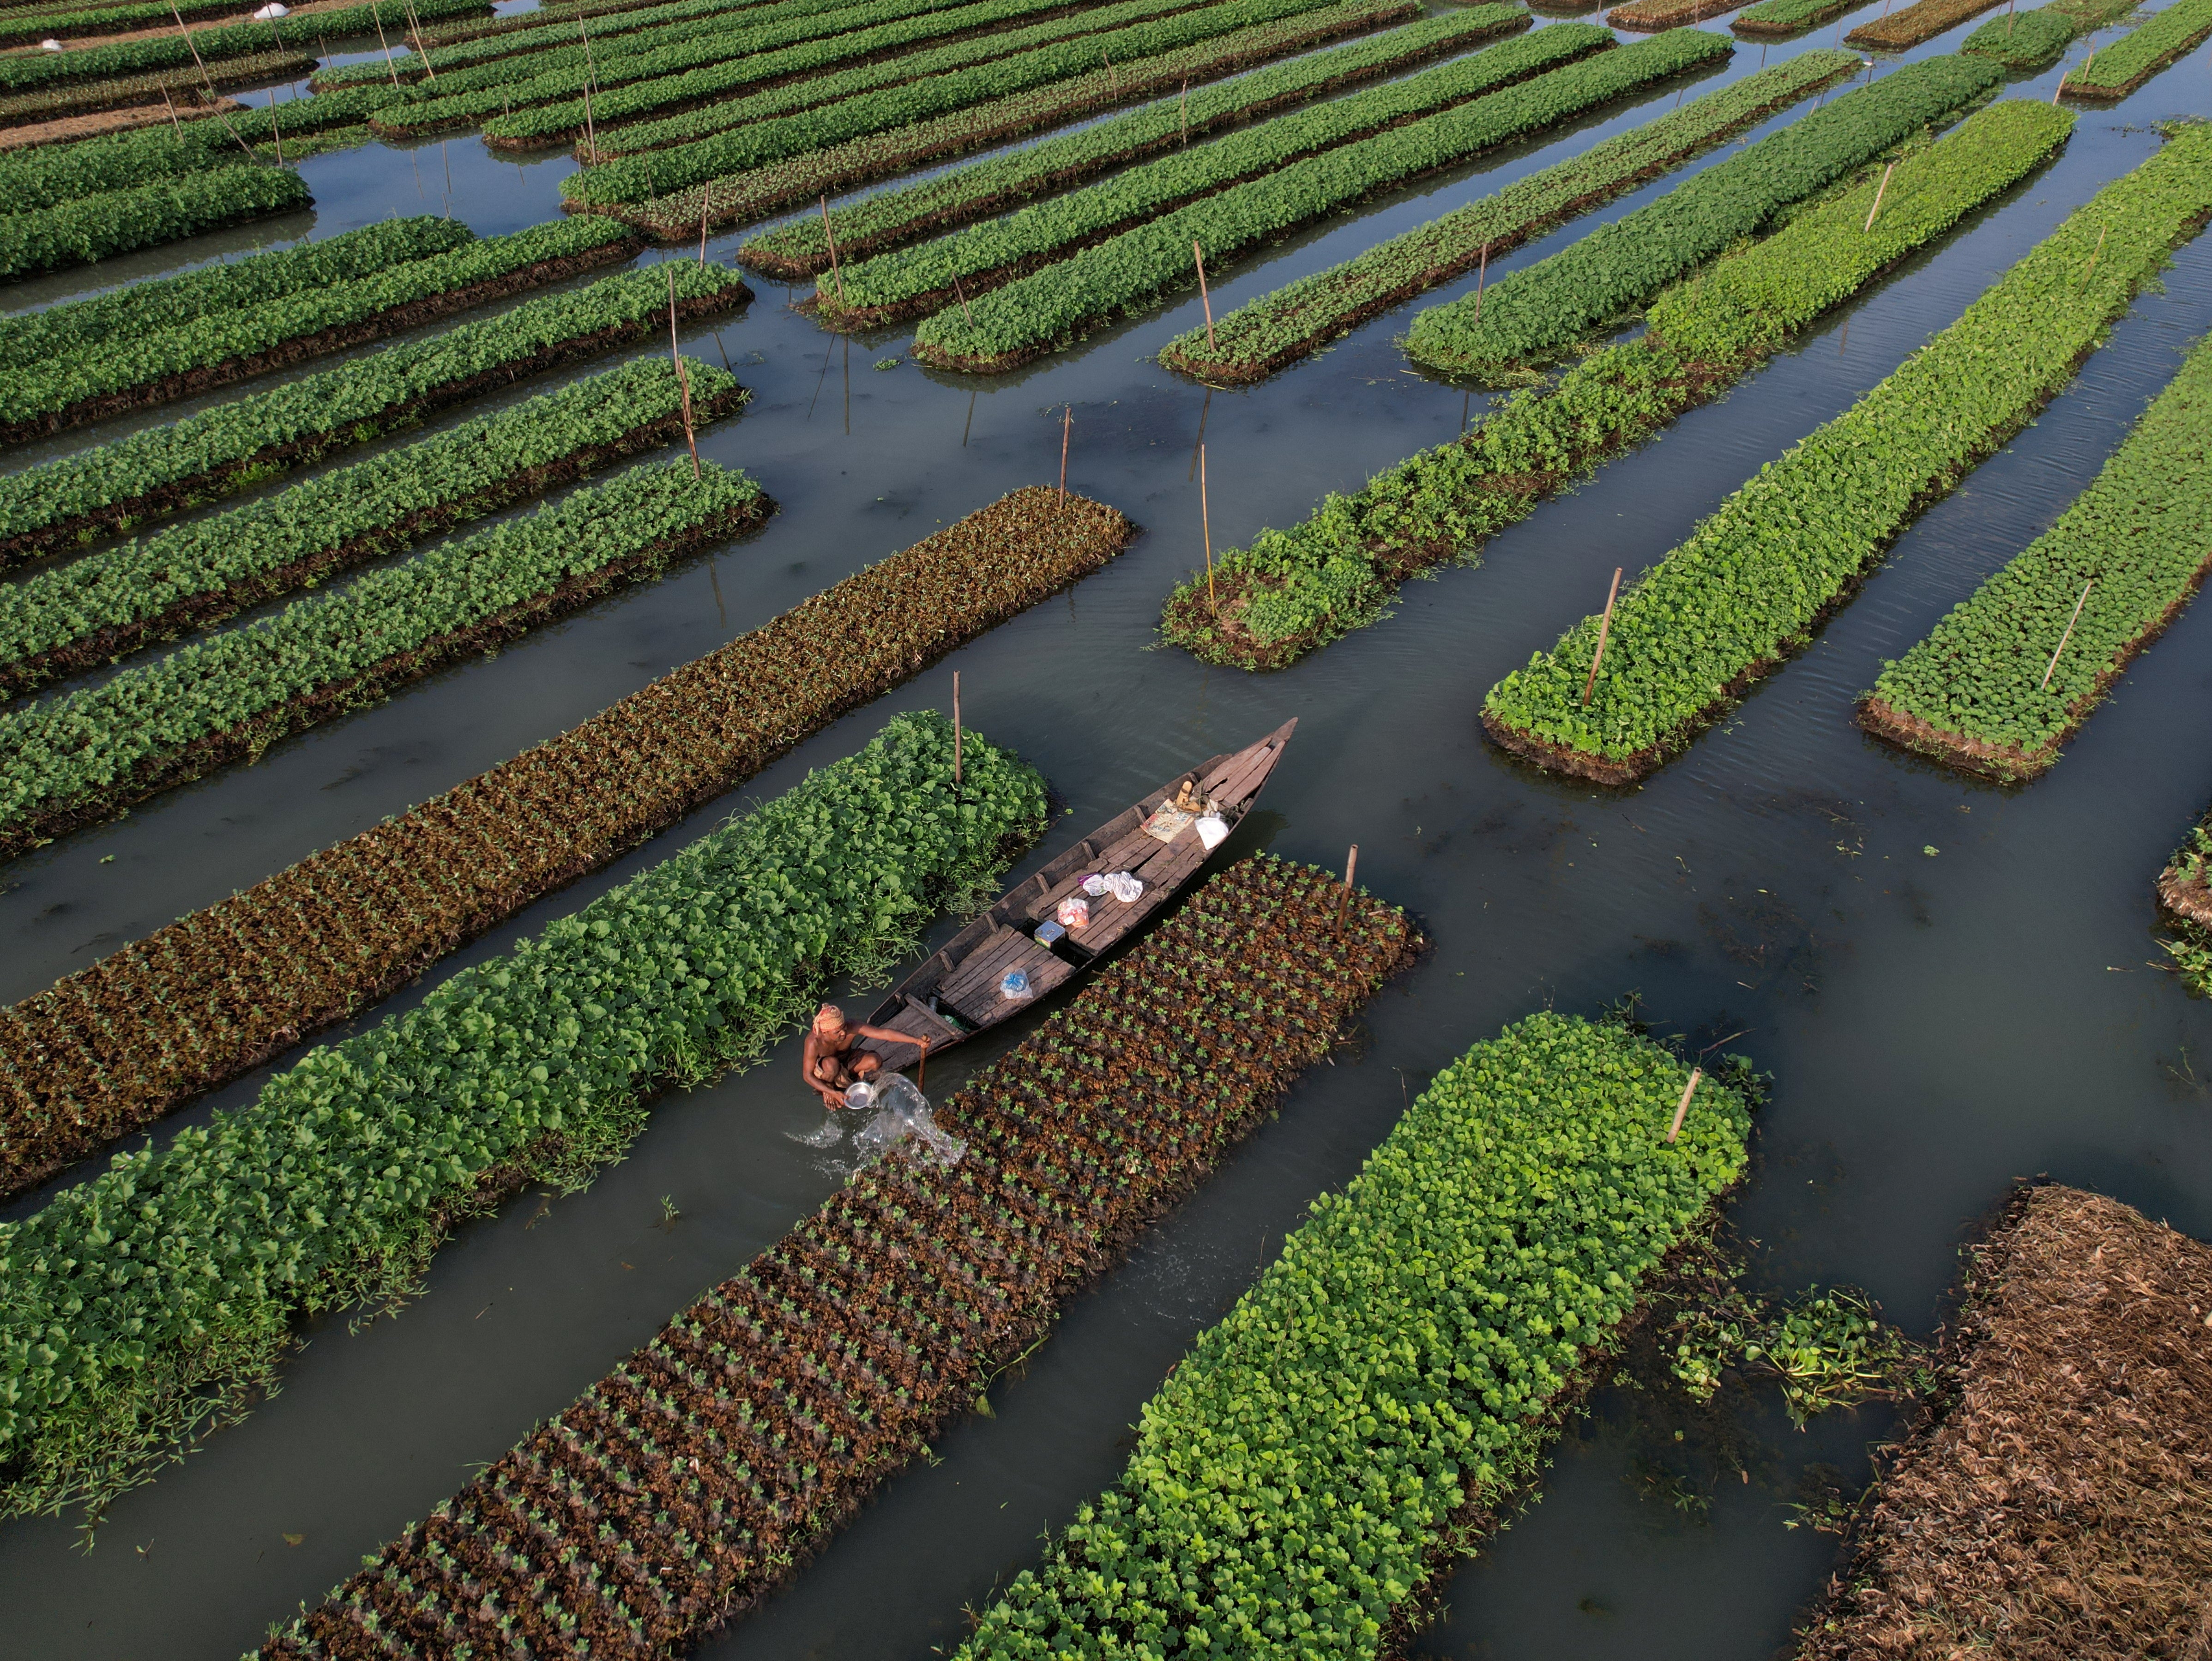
<point x="828" y="1059"/>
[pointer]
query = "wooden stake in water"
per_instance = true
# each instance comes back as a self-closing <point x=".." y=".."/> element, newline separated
<point x="1482" y="277"/>
<point x="959" y="295"/>
<point x="955" y="729"/>
<point x="835" y="275"/>
<point x="1185" y="108"/>
<point x="1067" y="421"/>
<point x="1604" y="628"/>
<point x="590" y="80"/>
<point x="381" y="40"/>
<point x="415" y="32"/>
<point x="1206" y="528"/>
<point x="1682" y="1107"/>
<point x="2009" y="4"/>
<point x="176" y="127"/>
<point x="703" y="233"/>
<point x="277" y="133"/>
<point x="683" y="376"/>
<point x="1878" y="191"/>
<point x="1344" y="905"/>
<point x="2068" y="636"/>
<point x="1206" y="300"/>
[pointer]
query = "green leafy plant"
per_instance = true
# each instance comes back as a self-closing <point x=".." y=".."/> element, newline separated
<point x="106" y="604"/>
<point x="2014" y="670"/>
<point x="1303" y="1473"/>
<point x="1262" y="336"/>
<point x="163" y="1292"/>
<point x="892" y="217"/>
<point x="1293" y="591"/>
<point x="172" y="52"/>
<point x="1023" y="321"/>
<point x="1785" y="17"/>
<point x="77" y="758"/>
<point x="1544" y="310"/>
<point x="110" y="223"/>
<point x="892" y="287"/>
<point x="156" y="471"/>
<point x="1909" y="25"/>
<point x="2117" y="70"/>
<point x="1753" y="579"/>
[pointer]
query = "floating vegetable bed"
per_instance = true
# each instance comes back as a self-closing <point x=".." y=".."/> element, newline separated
<point x="1261" y="336"/>
<point x="212" y="46"/>
<point x="81" y="759"/>
<point x="1752" y="582"/>
<point x="694" y="1478"/>
<point x="890" y="218"/>
<point x="185" y="86"/>
<point x="158" y="471"/>
<point x="106" y="604"/>
<point x="2052" y="1499"/>
<point x="1320" y="1461"/>
<point x="639" y="177"/>
<point x="1017" y="324"/>
<point x="95" y="228"/>
<point x="1777" y="18"/>
<point x="2120" y="68"/>
<point x="1646" y="17"/>
<point x="806" y="176"/>
<point x="1922" y="21"/>
<point x="1543" y="311"/>
<point x="164" y="363"/>
<point x="151" y="1304"/>
<point x="2013" y="671"/>
<point x="967" y="264"/>
<point x="224" y="989"/>
<point x="1293" y="591"/>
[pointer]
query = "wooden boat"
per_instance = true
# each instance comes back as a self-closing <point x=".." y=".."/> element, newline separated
<point x="956" y="994"/>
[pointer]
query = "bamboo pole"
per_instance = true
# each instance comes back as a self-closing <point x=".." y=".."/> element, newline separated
<point x="1682" y="1107"/>
<point x="962" y="296"/>
<point x="702" y="230"/>
<point x="2098" y="255"/>
<point x="277" y="133"/>
<point x="591" y="78"/>
<point x="1067" y="421"/>
<point x="1206" y="526"/>
<point x="955" y="729"/>
<point x="837" y="276"/>
<point x="1205" y="299"/>
<point x="1604" y="629"/>
<point x="2069" y="635"/>
<point x="176" y="127"/>
<point x="381" y="41"/>
<point x="1879" y="191"/>
<point x="1184" y="109"/>
<point x="415" y="28"/>
<point x="683" y="376"/>
<point x="1344" y="905"/>
<point x="1482" y="277"/>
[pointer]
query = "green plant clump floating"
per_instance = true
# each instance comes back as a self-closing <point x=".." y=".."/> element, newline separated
<point x="151" y="1302"/>
<point x="1296" y="1481"/>
<point x="99" y="227"/>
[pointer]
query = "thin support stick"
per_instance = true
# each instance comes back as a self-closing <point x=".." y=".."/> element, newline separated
<point x="955" y="729"/>
<point x="702" y="230"/>
<point x="1682" y="1107"/>
<point x="1185" y="108"/>
<point x="176" y="127"/>
<point x="591" y="79"/>
<point x="2095" y="256"/>
<point x="836" y="275"/>
<point x="415" y="29"/>
<point x="1604" y="629"/>
<point x="1205" y="299"/>
<point x="1482" y="277"/>
<point x="682" y="377"/>
<point x="1344" y="905"/>
<point x="1067" y="421"/>
<point x="962" y="296"/>
<point x="2068" y="636"/>
<point x="1206" y="528"/>
<point x="277" y="133"/>
<point x="1879" y="191"/>
<point x="377" y="15"/>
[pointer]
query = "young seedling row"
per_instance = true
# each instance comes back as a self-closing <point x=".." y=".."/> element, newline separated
<point x="158" y="471"/>
<point x="1319" y="1462"/>
<point x="1755" y="580"/>
<point x="2025" y="41"/>
<point x="206" y="999"/>
<point x="99" y="227"/>
<point x="1895" y="31"/>
<point x="1293" y="592"/>
<point x="148" y="1303"/>
<point x="173" y="52"/>
<point x="2117" y="70"/>
<point x="691" y="1481"/>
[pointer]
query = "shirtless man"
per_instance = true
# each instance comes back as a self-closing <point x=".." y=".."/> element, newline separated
<point x="828" y="1060"/>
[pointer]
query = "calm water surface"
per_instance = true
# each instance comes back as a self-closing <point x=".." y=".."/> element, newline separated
<point x="1937" y="1024"/>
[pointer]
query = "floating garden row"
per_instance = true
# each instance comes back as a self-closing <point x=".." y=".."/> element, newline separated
<point x="677" y="80"/>
<point x="81" y="757"/>
<point x="161" y="470"/>
<point x="694" y="1477"/>
<point x="1322" y="1458"/>
<point x="1261" y="336"/>
<point x="99" y="227"/>
<point x="1922" y="21"/>
<point x="1648" y="16"/>
<point x="203" y="999"/>
<point x="912" y="280"/>
<point x="553" y="17"/>
<point x="637" y="179"/>
<point x="1754" y="579"/>
<point x="2120" y="68"/>
<point x="891" y="218"/>
<point x="1019" y="323"/>
<point x="78" y="328"/>
<point x="2028" y="40"/>
<point x="162" y="1292"/>
<point x="97" y="609"/>
<point x="211" y="351"/>
<point x="2013" y="671"/>
<point x="1292" y="592"/>
<point x="1777" y="18"/>
<point x="806" y="176"/>
<point x="22" y="72"/>
<point x="1543" y="311"/>
<point x="186" y="87"/>
<point x="25" y="25"/>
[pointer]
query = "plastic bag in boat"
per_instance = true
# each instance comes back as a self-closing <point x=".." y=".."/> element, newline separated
<point x="901" y="1110"/>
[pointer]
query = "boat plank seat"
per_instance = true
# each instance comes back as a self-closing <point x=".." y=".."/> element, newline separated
<point x="982" y="968"/>
<point x="982" y="1003"/>
<point x="919" y="1019"/>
